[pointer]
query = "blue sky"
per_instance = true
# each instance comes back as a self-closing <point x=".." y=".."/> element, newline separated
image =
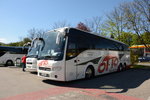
<point x="19" y="16"/>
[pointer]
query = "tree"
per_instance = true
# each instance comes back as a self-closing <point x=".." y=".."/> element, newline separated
<point x="94" y="24"/>
<point x="136" y="40"/>
<point x="2" y="44"/>
<point x="112" y="36"/>
<point x="135" y="18"/>
<point x="20" y="43"/>
<point x="130" y="17"/>
<point x="83" y="27"/>
<point x="35" y="33"/>
<point x="115" y="24"/>
<point x="60" y="24"/>
<point x="146" y="37"/>
<point x="143" y="7"/>
<point x="126" y="37"/>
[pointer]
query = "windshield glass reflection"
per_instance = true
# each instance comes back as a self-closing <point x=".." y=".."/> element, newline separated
<point x="54" y="46"/>
<point x="36" y="45"/>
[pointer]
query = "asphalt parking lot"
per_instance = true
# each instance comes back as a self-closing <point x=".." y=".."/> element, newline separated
<point x="133" y="84"/>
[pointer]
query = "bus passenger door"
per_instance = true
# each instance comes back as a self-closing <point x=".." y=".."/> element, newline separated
<point x="71" y="62"/>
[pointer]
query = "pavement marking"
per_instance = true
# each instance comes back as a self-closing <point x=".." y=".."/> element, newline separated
<point x="66" y="93"/>
<point x="39" y="94"/>
<point x="69" y="96"/>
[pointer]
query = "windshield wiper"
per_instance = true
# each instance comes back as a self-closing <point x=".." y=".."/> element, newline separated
<point x="35" y="56"/>
<point x="45" y="57"/>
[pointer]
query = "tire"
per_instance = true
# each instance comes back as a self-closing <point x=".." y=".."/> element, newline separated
<point x="125" y="66"/>
<point x="9" y="63"/>
<point x="120" y="68"/>
<point x="89" y="73"/>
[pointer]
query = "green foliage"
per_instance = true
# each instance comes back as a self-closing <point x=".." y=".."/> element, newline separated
<point x="26" y="40"/>
<point x="108" y="28"/>
<point x="20" y="43"/>
<point x="146" y="37"/>
<point x="2" y="44"/>
<point x="133" y="39"/>
<point x="134" y="58"/>
<point x="15" y="44"/>
<point x="126" y="18"/>
<point x="141" y="67"/>
<point x="126" y="38"/>
<point x="136" y="40"/>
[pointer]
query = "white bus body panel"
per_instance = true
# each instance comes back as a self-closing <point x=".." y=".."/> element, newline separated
<point x="103" y="61"/>
<point x="31" y="63"/>
<point x="88" y="58"/>
<point x="50" y="69"/>
<point x="71" y="69"/>
<point x="8" y="56"/>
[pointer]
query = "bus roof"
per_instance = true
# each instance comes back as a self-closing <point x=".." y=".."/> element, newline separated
<point x="14" y="49"/>
<point x="69" y="28"/>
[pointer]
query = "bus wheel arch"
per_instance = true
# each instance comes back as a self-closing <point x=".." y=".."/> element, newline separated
<point x="18" y="60"/>
<point x="89" y="72"/>
<point x="9" y="63"/>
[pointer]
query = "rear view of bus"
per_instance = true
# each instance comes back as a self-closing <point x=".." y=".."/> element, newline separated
<point x="31" y="61"/>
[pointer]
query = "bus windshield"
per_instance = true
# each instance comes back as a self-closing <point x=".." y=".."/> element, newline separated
<point x="36" y="45"/>
<point x="54" y="46"/>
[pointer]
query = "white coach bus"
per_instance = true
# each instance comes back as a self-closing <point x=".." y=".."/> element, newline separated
<point x="71" y="54"/>
<point x="31" y="61"/>
<point x="9" y="55"/>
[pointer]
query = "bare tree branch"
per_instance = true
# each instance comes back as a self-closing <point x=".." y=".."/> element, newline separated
<point x="35" y="33"/>
<point x="94" y="24"/>
<point x="60" y="24"/>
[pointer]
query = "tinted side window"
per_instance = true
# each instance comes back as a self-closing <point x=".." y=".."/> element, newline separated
<point x="82" y="46"/>
<point x="102" y="43"/>
<point x="2" y="53"/>
<point x="126" y="48"/>
<point x="71" y="50"/>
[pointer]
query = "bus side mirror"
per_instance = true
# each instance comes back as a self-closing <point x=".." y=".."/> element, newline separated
<point x="29" y="44"/>
<point x="58" y="39"/>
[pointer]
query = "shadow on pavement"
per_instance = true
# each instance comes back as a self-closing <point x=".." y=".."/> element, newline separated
<point x="35" y="73"/>
<point x="125" y="80"/>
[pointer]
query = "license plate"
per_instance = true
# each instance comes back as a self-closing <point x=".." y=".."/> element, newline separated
<point x="28" y="67"/>
<point x="44" y="74"/>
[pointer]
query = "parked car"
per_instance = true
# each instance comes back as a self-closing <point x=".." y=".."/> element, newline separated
<point x="144" y="59"/>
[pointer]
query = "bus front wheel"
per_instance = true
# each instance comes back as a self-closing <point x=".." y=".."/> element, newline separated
<point x="89" y="73"/>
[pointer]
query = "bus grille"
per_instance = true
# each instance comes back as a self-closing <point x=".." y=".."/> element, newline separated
<point x="44" y="69"/>
<point x="29" y="62"/>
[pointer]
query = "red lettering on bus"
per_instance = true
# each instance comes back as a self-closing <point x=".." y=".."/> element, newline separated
<point x="43" y="63"/>
<point x="105" y="63"/>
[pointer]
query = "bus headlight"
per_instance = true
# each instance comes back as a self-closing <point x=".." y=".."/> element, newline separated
<point x="58" y="68"/>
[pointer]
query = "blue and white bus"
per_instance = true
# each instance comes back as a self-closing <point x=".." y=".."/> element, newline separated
<point x="71" y="54"/>
<point x="10" y="54"/>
